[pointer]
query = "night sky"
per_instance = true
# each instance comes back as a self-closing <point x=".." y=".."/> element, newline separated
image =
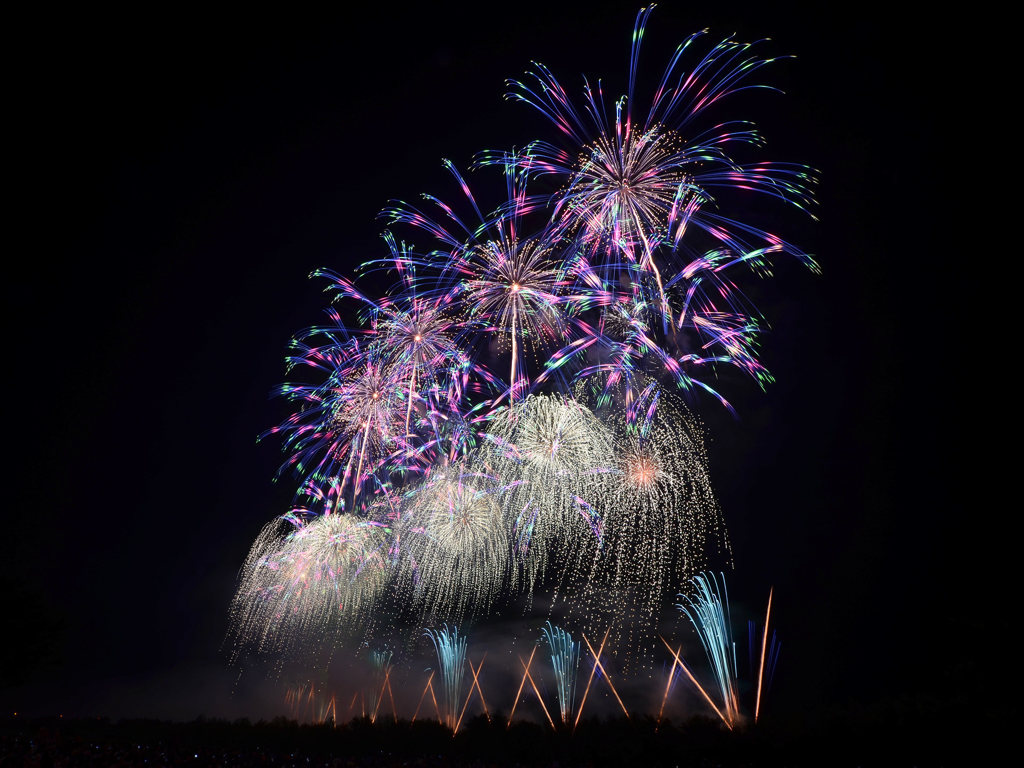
<point x="178" y="177"/>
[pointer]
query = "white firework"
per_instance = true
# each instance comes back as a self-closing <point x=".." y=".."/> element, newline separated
<point x="549" y="452"/>
<point x="456" y="551"/>
<point x="309" y="581"/>
<point x="660" y="517"/>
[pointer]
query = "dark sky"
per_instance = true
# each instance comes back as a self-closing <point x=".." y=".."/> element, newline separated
<point x="179" y="176"/>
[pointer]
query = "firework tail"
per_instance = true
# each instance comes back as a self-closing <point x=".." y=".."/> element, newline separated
<point x="423" y="695"/>
<point x="437" y="709"/>
<point x="479" y="690"/>
<point x="386" y="685"/>
<point x="474" y="685"/>
<point x="380" y="697"/>
<point x="590" y="679"/>
<point x="521" y="684"/>
<point x="764" y="648"/>
<point x="604" y="672"/>
<point x="526" y="671"/>
<point x="693" y="680"/>
<point x="668" y="685"/>
<point x="708" y="611"/>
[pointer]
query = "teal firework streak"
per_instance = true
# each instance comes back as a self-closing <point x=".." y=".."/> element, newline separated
<point x="708" y="609"/>
<point x="451" y="656"/>
<point x="565" y="661"/>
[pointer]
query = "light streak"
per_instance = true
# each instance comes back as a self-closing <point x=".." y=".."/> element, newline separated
<point x="607" y="677"/>
<point x="764" y="648"/>
<point x="475" y="684"/>
<point x="698" y="685"/>
<point x="668" y="685"/>
<point x="522" y="682"/>
<point x="423" y="695"/>
<point x="526" y="671"/>
<point x="590" y="679"/>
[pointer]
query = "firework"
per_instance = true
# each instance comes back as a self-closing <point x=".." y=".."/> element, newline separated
<point x="613" y="298"/>
<point x="451" y="658"/>
<point x="380" y="662"/>
<point x="707" y="608"/>
<point x="769" y="655"/>
<point x="565" y="662"/>
<point x="346" y="427"/>
<point x="507" y="280"/>
<point x="639" y="183"/>
<point x="306" y="704"/>
<point x="548" y="451"/>
<point x="456" y="553"/>
<point x="413" y="331"/>
<point x="322" y="578"/>
<point x="659" y="517"/>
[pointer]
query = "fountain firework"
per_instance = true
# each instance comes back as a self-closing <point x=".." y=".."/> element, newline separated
<point x="707" y="608"/>
<point x="565" y="662"/>
<point x="451" y="658"/>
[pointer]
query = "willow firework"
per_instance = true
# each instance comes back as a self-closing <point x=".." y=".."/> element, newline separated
<point x="309" y="582"/>
<point x="549" y="451"/>
<point x="456" y="545"/>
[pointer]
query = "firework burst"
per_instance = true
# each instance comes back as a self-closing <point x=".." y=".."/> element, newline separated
<point x="346" y="427"/>
<point x="456" y="556"/>
<point x="643" y="198"/>
<point x="309" y="581"/>
<point x="507" y="279"/>
<point x="549" y="452"/>
<point x="659" y="516"/>
<point x="605" y="301"/>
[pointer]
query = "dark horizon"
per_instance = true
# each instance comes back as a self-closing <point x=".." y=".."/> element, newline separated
<point x="184" y="178"/>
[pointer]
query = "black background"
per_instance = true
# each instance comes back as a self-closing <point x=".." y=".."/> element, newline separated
<point x="177" y="175"/>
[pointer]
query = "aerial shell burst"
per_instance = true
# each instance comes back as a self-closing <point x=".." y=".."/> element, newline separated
<point x="549" y="451"/>
<point x="643" y="195"/>
<point x="455" y="546"/>
<point x="346" y="427"/>
<point x="309" y="582"/>
<point x="507" y="278"/>
<point x="509" y="417"/>
<point x="661" y="520"/>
